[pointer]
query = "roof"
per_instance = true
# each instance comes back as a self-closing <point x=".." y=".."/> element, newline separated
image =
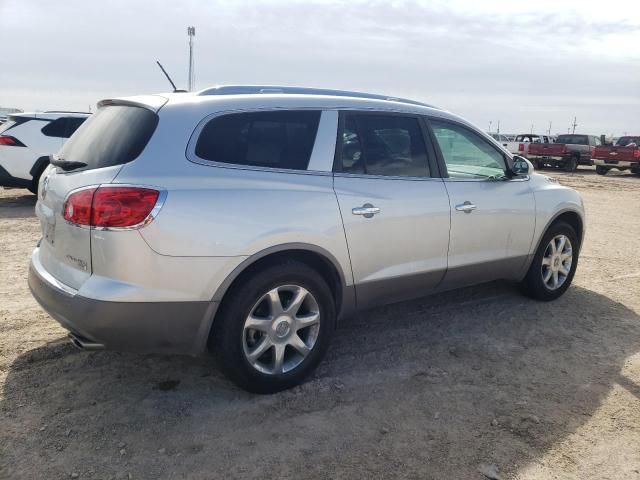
<point x="288" y="90"/>
<point x="49" y="115"/>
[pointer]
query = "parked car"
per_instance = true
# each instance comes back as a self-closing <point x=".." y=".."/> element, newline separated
<point x="624" y="155"/>
<point x="27" y="140"/>
<point x="520" y="145"/>
<point x="247" y="223"/>
<point x="501" y="138"/>
<point x="568" y="152"/>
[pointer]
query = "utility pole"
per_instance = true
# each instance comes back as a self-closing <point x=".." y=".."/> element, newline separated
<point x="574" y="124"/>
<point x="498" y="127"/>
<point x="532" y="129"/>
<point x="490" y="122"/>
<point x="549" y="131"/>
<point x="191" y="32"/>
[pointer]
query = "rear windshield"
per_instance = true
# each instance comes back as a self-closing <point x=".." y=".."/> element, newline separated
<point x="115" y="135"/>
<point x="624" y="141"/>
<point x="573" y="139"/>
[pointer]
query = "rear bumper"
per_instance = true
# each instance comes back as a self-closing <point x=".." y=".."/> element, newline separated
<point x="149" y="327"/>
<point x="7" y="180"/>
<point x="547" y="158"/>
<point x="616" y="164"/>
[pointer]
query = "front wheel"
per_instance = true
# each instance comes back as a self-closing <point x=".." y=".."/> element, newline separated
<point x="554" y="263"/>
<point x="274" y="328"/>
<point x="600" y="170"/>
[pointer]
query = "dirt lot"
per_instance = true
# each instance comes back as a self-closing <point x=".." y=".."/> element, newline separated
<point x="442" y="387"/>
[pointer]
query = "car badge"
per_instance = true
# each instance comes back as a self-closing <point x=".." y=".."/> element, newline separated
<point x="45" y="186"/>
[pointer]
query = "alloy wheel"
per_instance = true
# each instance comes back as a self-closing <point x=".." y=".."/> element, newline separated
<point x="556" y="262"/>
<point x="281" y="329"/>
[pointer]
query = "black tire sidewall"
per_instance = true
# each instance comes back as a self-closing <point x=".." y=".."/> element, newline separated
<point x="533" y="285"/>
<point x="228" y="327"/>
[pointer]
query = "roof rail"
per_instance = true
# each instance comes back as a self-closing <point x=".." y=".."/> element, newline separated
<point x="263" y="89"/>
<point x="65" y="111"/>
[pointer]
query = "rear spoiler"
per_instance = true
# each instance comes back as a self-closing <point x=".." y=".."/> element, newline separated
<point x="150" y="102"/>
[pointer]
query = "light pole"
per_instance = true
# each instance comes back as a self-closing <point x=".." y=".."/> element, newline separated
<point x="191" y="32"/>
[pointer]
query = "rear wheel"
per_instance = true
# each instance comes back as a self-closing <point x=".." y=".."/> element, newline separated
<point x="36" y="179"/>
<point x="274" y="328"/>
<point x="539" y="164"/>
<point x="571" y="164"/>
<point x="600" y="170"/>
<point x="554" y="264"/>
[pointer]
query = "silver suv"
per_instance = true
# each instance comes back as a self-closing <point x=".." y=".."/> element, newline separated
<point x="248" y="220"/>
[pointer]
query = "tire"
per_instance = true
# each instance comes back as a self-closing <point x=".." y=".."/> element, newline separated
<point x="36" y="179"/>
<point x="232" y="342"/>
<point x="571" y="164"/>
<point x="539" y="164"/>
<point x="534" y="284"/>
<point x="600" y="170"/>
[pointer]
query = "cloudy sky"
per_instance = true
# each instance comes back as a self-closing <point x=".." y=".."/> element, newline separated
<point x="521" y="62"/>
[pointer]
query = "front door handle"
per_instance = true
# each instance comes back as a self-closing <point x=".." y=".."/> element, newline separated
<point x="367" y="210"/>
<point x="466" y="207"/>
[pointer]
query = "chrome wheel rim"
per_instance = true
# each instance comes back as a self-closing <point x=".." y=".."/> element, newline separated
<point x="556" y="262"/>
<point x="281" y="329"/>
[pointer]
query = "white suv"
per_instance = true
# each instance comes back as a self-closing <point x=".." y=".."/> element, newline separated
<point x="248" y="220"/>
<point x="26" y="142"/>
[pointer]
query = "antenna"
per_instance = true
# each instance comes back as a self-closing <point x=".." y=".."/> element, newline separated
<point x="191" y="32"/>
<point x="167" y="75"/>
<point x="574" y="124"/>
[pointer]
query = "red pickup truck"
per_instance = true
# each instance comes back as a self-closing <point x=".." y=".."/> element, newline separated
<point x="569" y="151"/>
<point x="624" y="155"/>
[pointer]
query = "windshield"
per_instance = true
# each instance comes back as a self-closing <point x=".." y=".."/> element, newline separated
<point x="624" y="141"/>
<point x="528" y="138"/>
<point x="573" y="139"/>
<point x="115" y="135"/>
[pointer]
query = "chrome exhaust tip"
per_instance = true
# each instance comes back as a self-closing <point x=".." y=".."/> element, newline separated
<point x="82" y="343"/>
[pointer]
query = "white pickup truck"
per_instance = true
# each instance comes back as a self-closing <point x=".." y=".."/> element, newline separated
<point x="520" y="146"/>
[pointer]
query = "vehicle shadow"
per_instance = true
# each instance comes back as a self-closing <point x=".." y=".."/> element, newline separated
<point x="17" y="203"/>
<point x="424" y="389"/>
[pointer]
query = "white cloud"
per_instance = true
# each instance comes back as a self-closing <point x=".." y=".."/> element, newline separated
<point x="520" y="62"/>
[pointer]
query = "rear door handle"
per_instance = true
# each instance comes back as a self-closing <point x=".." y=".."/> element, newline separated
<point x="466" y="207"/>
<point x="367" y="210"/>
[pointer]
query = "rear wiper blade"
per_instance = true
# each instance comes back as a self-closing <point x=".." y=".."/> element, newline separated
<point x="66" y="165"/>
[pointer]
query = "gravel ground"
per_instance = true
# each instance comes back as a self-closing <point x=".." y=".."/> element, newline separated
<point x="470" y="384"/>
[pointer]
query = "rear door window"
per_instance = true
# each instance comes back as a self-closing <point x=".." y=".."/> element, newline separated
<point x="62" y="127"/>
<point x="114" y="135"/>
<point x="386" y="145"/>
<point x="274" y="139"/>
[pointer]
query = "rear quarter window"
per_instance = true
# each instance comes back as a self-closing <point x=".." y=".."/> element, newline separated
<point x="274" y="139"/>
<point x="114" y="135"/>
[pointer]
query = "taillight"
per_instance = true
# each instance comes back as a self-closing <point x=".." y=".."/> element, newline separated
<point x="113" y="207"/>
<point x="636" y="153"/>
<point x="521" y="147"/>
<point x="9" y="141"/>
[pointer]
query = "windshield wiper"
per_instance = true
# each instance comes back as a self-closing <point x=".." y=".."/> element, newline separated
<point x="65" y="165"/>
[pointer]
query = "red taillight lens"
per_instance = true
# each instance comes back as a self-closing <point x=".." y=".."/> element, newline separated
<point x="9" y="141"/>
<point x="77" y="208"/>
<point x="521" y="147"/>
<point x="115" y="207"/>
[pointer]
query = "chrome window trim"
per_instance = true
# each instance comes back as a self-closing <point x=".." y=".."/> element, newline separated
<point x="190" y="152"/>
<point x="385" y="177"/>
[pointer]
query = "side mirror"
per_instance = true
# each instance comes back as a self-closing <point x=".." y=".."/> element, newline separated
<point x="520" y="165"/>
